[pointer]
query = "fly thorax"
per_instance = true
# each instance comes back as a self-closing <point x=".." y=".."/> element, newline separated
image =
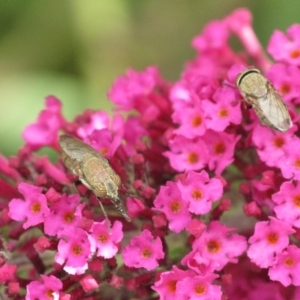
<point x="260" y="91"/>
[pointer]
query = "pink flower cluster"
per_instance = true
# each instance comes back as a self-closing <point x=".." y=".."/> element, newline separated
<point x="190" y="155"/>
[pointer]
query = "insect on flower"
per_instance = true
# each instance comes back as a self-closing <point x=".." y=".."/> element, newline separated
<point x="92" y="169"/>
<point x="265" y="100"/>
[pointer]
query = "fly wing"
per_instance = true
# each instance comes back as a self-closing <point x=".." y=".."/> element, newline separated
<point x="273" y="110"/>
<point x="75" y="148"/>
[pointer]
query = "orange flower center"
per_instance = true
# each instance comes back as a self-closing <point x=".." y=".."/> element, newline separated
<point x="193" y="158"/>
<point x="76" y="249"/>
<point x="196" y="121"/>
<point x="146" y="253"/>
<point x="213" y="246"/>
<point x="197" y="194"/>
<point x="296" y="200"/>
<point x="103" y="151"/>
<point x="172" y="286"/>
<point x="297" y="163"/>
<point x="49" y="294"/>
<point x="175" y="206"/>
<point x="200" y="289"/>
<point x="103" y="238"/>
<point x="223" y="113"/>
<point x="279" y="142"/>
<point x="36" y="207"/>
<point x="295" y="53"/>
<point x="289" y="262"/>
<point x="284" y="89"/>
<point x="69" y="217"/>
<point x="220" y="148"/>
<point x="272" y="238"/>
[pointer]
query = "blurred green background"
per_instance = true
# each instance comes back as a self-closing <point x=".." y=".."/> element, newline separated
<point x="75" y="49"/>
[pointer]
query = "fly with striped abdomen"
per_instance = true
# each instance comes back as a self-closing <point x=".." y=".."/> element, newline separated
<point x="92" y="169"/>
<point x="265" y="100"/>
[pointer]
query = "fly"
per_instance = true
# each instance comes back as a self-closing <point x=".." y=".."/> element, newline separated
<point x="92" y="169"/>
<point x="265" y="100"/>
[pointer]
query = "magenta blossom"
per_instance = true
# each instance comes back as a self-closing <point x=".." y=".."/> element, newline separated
<point x="170" y="201"/>
<point x="286" y="48"/>
<point x="166" y="286"/>
<point x="45" y="131"/>
<point x="269" y="239"/>
<point x="65" y="213"/>
<point x="218" y="244"/>
<point x="288" y="203"/>
<point x="143" y="251"/>
<point x="223" y="111"/>
<point x="74" y="251"/>
<point x="105" y="241"/>
<point x="46" y="289"/>
<point x="187" y="154"/>
<point x="287" y="266"/>
<point x="198" y="287"/>
<point x="200" y="191"/>
<point x="33" y="210"/>
<point x="191" y="155"/>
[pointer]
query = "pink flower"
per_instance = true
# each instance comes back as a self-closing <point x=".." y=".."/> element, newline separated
<point x="99" y="134"/>
<point x="221" y="149"/>
<point x="47" y="288"/>
<point x="45" y="131"/>
<point x="286" y="79"/>
<point x="288" y="203"/>
<point x="174" y="206"/>
<point x="34" y="209"/>
<point x="191" y="90"/>
<point x="290" y="162"/>
<point x="63" y="214"/>
<point x="105" y="142"/>
<point x="213" y="37"/>
<point x="223" y="111"/>
<point x="191" y="120"/>
<point x="143" y="251"/>
<point x="269" y="239"/>
<point x="106" y="242"/>
<point x="271" y="144"/>
<point x="131" y="87"/>
<point x="286" y="48"/>
<point x="219" y="245"/>
<point x="286" y="269"/>
<point x="74" y="250"/>
<point x="200" y="191"/>
<point x="196" y="262"/>
<point x="198" y="287"/>
<point x="96" y="121"/>
<point x="240" y="22"/>
<point x="166" y="286"/>
<point x="187" y="154"/>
